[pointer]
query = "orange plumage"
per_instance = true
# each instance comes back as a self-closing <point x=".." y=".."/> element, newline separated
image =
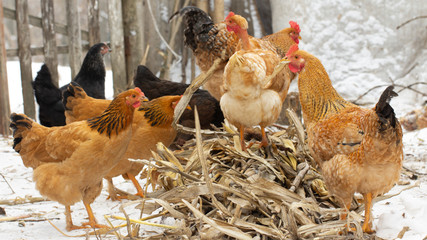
<point x="250" y="98"/>
<point x="358" y="149"/>
<point x="70" y="161"/>
<point x="151" y="124"/>
<point x="210" y="41"/>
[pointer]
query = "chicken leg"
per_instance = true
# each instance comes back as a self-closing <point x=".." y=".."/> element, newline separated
<point x="264" y="141"/>
<point x="367" y="225"/>
<point x="135" y="182"/>
<point x="92" y="221"/>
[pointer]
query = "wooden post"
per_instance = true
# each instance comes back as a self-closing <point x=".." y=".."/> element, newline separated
<point x="218" y="11"/>
<point x="24" y="46"/>
<point x="204" y="5"/>
<point x="93" y="22"/>
<point x="49" y="39"/>
<point x="4" y="89"/>
<point x="133" y="36"/>
<point x="74" y="37"/>
<point x="118" y="65"/>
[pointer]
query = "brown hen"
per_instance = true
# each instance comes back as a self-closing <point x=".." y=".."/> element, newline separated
<point x="358" y="149"/>
<point x="70" y="161"/>
<point x="151" y="124"/>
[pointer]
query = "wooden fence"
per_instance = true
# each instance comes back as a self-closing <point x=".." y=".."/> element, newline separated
<point x="120" y="43"/>
<point x="132" y="36"/>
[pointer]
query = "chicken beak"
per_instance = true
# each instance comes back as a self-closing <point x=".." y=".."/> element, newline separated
<point x="188" y="107"/>
<point x="284" y="61"/>
<point x="299" y="37"/>
<point x="144" y="99"/>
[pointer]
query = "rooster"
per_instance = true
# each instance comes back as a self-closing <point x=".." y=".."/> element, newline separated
<point x="152" y="124"/>
<point x="357" y="149"/>
<point x="250" y="98"/>
<point x="70" y="161"/>
<point x="91" y="77"/>
<point x="210" y="41"/>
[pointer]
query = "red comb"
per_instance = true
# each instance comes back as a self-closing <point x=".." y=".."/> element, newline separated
<point x="139" y="90"/>
<point x="291" y="50"/>
<point x="295" y="26"/>
<point x="229" y="15"/>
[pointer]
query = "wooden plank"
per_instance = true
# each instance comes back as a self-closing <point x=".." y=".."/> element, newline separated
<point x="133" y="36"/>
<point x="49" y="39"/>
<point x="118" y="64"/>
<point x="37" y="22"/>
<point x="218" y="11"/>
<point x="39" y="51"/>
<point x="4" y="89"/>
<point x="93" y="22"/>
<point x="24" y="43"/>
<point x="74" y="37"/>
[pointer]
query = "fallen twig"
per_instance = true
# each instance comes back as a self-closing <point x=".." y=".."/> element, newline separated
<point x="410" y="20"/>
<point x="7" y="183"/>
<point x="23" y="200"/>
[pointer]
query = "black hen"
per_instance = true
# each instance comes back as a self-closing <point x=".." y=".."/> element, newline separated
<point x="91" y="77"/>
<point x="207" y="106"/>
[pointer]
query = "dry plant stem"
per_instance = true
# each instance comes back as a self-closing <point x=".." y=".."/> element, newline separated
<point x="8" y="219"/>
<point x="143" y="222"/>
<point x="196" y="83"/>
<point x="19" y="200"/>
<point x="7" y="183"/>
<point x="299" y="177"/>
<point x="204" y="164"/>
<point x="410" y="20"/>
<point x="206" y="132"/>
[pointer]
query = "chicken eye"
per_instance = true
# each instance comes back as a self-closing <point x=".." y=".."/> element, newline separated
<point x="133" y="95"/>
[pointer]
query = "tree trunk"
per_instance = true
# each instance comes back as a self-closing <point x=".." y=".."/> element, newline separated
<point x="133" y="35"/>
<point x="4" y="89"/>
<point x="49" y="39"/>
<point x="243" y="9"/>
<point x="118" y="64"/>
<point x="218" y="11"/>
<point x="74" y="37"/>
<point x="24" y="46"/>
<point x="93" y="23"/>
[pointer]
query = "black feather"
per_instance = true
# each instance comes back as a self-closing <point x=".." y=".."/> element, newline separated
<point x="384" y="111"/>
<point x="207" y="106"/>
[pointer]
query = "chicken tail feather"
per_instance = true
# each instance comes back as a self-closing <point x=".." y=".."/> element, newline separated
<point x="383" y="109"/>
<point x="19" y="124"/>
<point x="198" y="24"/>
<point x="74" y="90"/>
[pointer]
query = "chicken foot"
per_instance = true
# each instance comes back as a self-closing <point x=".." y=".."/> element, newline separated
<point x="113" y="193"/>
<point x="92" y="222"/>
